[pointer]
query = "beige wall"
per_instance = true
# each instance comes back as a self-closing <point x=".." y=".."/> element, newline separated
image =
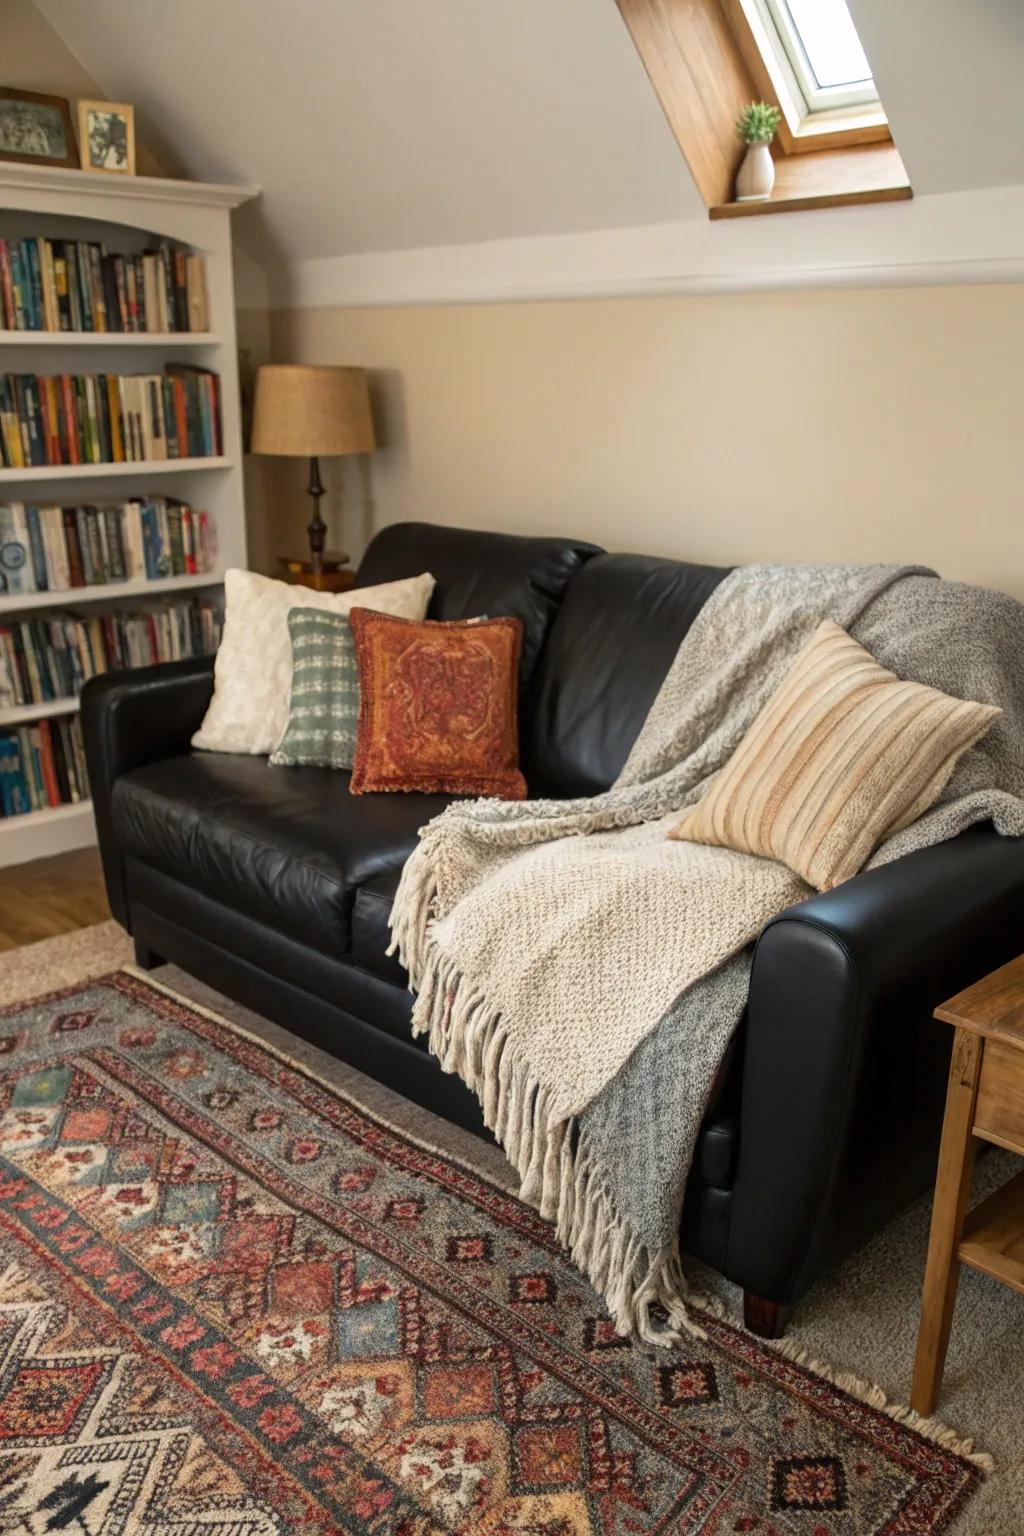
<point x="862" y="425"/>
<point x="261" y="527"/>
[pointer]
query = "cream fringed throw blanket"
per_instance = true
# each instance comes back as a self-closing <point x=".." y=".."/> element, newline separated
<point x="584" y="975"/>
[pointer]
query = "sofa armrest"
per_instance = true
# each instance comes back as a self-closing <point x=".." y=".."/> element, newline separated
<point x="844" y="1068"/>
<point x="131" y="718"/>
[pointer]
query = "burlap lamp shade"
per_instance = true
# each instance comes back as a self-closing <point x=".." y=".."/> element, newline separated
<point x="311" y="412"/>
<point x="306" y="412"/>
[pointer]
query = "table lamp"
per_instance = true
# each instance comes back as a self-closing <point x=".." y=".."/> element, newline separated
<point x="309" y="412"/>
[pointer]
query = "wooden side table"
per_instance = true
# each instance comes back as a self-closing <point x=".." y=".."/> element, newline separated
<point x="335" y="574"/>
<point x="984" y="1102"/>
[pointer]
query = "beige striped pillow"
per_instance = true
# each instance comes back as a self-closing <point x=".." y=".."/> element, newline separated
<point x="843" y="755"/>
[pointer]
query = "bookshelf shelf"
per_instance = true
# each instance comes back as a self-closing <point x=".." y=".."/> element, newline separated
<point x="139" y="468"/>
<point x="125" y="214"/>
<point x="109" y="339"/>
<point x="111" y="591"/>
<point x="38" y="834"/>
<point x="27" y="714"/>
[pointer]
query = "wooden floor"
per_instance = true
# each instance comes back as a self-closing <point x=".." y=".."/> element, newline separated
<point x="51" y="896"/>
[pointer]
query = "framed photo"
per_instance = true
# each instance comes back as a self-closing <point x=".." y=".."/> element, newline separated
<point x="36" y="129"/>
<point x="106" y="136"/>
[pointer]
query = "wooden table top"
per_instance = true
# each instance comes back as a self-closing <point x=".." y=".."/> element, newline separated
<point x="993" y="1006"/>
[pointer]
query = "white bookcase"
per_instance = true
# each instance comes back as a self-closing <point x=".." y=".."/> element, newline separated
<point x="126" y="213"/>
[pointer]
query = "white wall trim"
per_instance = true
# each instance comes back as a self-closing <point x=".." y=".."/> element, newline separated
<point x="955" y="237"/>
<point x="19" y="178"/>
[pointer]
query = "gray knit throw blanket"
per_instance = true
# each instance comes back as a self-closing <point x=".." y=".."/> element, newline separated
<point x="584" y="975"/>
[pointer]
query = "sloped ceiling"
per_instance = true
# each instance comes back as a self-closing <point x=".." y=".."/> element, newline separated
<point x="949" y="73"/>
<point x="386" y="124"/>
<point x="383" y="125"/>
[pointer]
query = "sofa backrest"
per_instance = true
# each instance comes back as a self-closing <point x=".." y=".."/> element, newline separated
<point x="496" y="574"/>
<point x="615" y="637"/>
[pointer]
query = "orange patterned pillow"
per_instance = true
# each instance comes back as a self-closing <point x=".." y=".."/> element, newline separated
<point x="437" y="706"/>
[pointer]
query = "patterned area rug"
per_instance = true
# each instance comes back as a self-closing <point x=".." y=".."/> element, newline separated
<point x="234" y="1304"/>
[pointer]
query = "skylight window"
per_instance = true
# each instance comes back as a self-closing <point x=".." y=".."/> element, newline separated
<point x="812" y="49"/>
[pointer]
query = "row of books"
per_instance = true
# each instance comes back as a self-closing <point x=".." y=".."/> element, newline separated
<point x="49" y="658"/>
<point x="42" y="766"/>
<point x="77" y="285"/>
<point x="107" y="418"/>
<point x="56" y="549"/>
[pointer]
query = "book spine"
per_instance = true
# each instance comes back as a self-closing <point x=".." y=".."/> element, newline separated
<point x="6" y="289"/>
<point x="111" y="298"/>
<point x="168" y="314"/>
<point x="60" y="279"/>
<point x="103" y="425"/>
<point x="29" y="771"/>
<point x="176" y="541"/>
<point x="188" y="538"/>
<point x="35" y="286"/>
<point x="49" y="286"/>
<point x="99" y="522"/>
<point x="18" y="285"/>
<point x="35" y="539"/>
<point x="83" y="268"/>
<point x="77" y="569"/>
<point x="31" y="424"/>
<point x="115" y="543"/>
<point x="60" y="763"/>
<point x="49" y="769"/>
<point x="96" y="291"/>
<point x="124" y="307"/>
<point x="85" y="545"/>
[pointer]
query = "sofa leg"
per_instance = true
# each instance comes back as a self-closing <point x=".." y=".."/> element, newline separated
<point x="767" y="1319"/>
<point x="147" y="959"/>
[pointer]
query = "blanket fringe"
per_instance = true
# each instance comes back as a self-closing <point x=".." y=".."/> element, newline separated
<point x="537" y="1135"/>
<point x="410" y="914"/>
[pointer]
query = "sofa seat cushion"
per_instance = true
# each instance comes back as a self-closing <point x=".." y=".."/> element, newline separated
<point x="288" y="847"/>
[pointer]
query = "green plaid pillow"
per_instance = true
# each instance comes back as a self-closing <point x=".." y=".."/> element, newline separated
<point x="323" y="713"/>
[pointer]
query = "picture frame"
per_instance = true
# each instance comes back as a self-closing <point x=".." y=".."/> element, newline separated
<point x="106" y="137"/>
<point x="36" y="129"/>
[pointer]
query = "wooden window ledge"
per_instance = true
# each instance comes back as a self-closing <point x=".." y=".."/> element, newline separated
<point x="828" y="178"/>
<point x="703" y="79"/>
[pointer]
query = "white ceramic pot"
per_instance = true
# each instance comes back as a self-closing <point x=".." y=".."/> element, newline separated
<point x="756" y="176"/>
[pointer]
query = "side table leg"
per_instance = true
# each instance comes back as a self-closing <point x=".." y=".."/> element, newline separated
<point x="952" y="1192"/>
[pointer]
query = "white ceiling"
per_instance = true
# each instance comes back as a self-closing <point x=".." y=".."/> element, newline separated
<point x="387" y="124"/>
<point x="379" y="125"/>
<point x="949" y="73"/>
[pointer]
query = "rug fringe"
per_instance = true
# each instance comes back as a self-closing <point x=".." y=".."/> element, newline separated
<point x="871" y="1394"/>
<point x="858" y="1387"/>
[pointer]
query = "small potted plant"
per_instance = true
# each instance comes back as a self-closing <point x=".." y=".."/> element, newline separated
<point x="756" y="126"/>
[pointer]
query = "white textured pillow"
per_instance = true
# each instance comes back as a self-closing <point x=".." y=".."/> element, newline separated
<point x="253" y="673"/>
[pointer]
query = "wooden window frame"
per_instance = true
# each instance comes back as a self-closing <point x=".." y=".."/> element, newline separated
<point x="801" y="131"/>
<point x="705" y="64"/>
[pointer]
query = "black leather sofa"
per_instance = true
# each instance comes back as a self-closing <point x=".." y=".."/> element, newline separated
<point x="274" y="886"/>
